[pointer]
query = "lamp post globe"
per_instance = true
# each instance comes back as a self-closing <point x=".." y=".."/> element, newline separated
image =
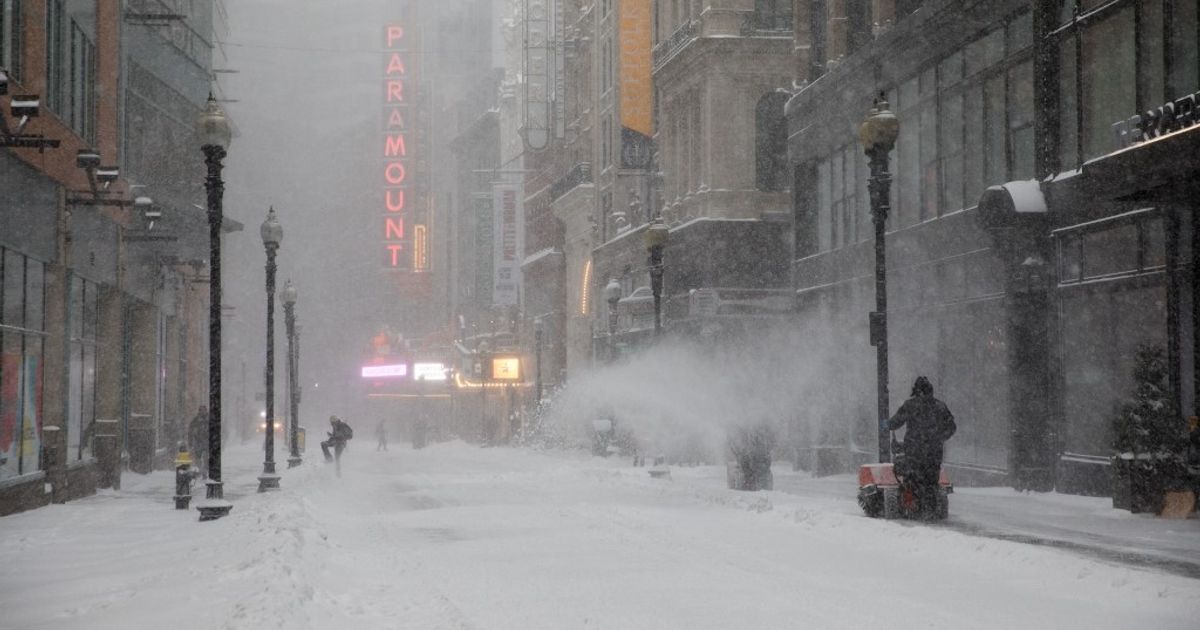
<point x="272" y="235"/>
<point x="878" y="135"/>
<point x="213" y="134"/>
<point x="212" y="127"/>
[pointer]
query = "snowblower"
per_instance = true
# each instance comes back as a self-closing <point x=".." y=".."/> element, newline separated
<point x="884" y="491"/>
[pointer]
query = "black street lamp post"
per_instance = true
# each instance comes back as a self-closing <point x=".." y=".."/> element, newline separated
<point x="212" y="128"/>
<point x="656" y="241"/>
<point x="288" y="296"/>
<point x="272" y="234"/>
<point x="612" y="295"/>
<point x="878" y="136"/>
<point x="538" y="334"/>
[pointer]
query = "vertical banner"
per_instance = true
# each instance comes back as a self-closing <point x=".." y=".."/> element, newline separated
<point x="635" y="40"/>
<point x="507" y="208"/>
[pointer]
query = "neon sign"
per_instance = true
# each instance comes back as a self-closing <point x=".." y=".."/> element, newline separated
<point x="397" y="181"/>
<point x="396" y="370"/>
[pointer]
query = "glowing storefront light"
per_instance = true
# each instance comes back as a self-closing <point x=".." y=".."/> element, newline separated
<point x="396" y="370"/>
<point x="506" y="368"/>
<point x="429" y="372"/>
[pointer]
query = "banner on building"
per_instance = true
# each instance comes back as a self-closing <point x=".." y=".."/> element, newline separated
<point x="635" y="40"/>
<point x="507" y="214"/>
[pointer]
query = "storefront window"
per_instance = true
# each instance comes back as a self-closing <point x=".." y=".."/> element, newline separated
<point x="1109" y="80"/>
<point x="22" y="292"/>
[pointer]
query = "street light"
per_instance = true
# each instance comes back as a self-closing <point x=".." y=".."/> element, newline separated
<point x="538" y="332"/>
<point x="878" y="136"/>
<point x="288" y="296"/>
<point x="612" y="295"/>
<point x="212" y="129"/>
<point x="272" y="234"/>
<point x="656" y="240"/>
<point x="485" y="359"/>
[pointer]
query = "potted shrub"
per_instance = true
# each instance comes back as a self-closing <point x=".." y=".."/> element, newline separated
<point x="1148" y="438"/>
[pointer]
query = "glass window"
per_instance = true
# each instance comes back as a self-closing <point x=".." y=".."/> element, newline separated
<point x="950" y="135"/>
<point x="973" y="147"/>
<point x="929" y="164"/>
<point x="1020" y="33"/>
<point x="14" y="289"/>
<point x="1109" y="79"/>
<point x="950" y="71"/>
<point x="1068" y="132"/>
<point x="1110" y="251"/>
<point x="1154" y="244"/>
<point x="1185" y="37"/>
<point x="1020" y="121"/>
<point x="1069" y="268"/>
<point x="985" y="52"/>
<point x="995" y="164"/>
<point x="35" y="294"/>
<point x="824" y="200"/>
<point x="908" y="152"/>
<point x="1150" y="62"/>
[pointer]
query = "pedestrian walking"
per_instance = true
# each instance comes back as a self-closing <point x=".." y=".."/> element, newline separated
<point x="381" y="437"/>
<point x="339" y="433"/>
<point x="930" y="424"/>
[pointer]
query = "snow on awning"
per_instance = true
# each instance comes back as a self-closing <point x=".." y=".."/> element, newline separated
<point x="541" y="255"/>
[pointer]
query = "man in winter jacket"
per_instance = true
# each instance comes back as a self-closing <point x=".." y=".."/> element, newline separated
<point x="338" y="434"/>
<point x="930" y="424"/>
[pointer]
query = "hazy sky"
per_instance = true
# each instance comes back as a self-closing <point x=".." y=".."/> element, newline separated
<point x="307" y="108"/>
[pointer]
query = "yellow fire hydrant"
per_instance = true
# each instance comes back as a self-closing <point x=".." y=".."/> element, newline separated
<point x="183" y="478"/>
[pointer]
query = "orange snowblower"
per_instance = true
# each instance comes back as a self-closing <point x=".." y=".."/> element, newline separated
<point x="883" y="492"/>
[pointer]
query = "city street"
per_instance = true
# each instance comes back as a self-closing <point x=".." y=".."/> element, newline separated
<point x="455" y="536"/>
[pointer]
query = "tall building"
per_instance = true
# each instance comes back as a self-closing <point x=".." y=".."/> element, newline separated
<point x="1030" y="250"/>
<point x="100" y="338"/>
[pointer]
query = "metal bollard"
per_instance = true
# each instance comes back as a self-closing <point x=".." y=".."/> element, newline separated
<point x="183" y="478"/>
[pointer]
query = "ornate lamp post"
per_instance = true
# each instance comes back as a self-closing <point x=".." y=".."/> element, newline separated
<point x="288" y="297"/>
<point x="612" y="295"/>
<point x="878" y="136"/>
<point x="272" y="234"/>
<point x="212" y="129"/>
<point x="656" y="241"/>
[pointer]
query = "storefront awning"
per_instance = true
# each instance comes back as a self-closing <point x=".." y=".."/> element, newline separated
<point x="1163" y="170"/>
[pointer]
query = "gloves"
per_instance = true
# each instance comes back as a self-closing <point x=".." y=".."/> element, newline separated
<point x="883" y="426"/>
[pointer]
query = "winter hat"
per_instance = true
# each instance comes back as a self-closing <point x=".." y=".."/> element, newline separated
<point x="922" y="387"/>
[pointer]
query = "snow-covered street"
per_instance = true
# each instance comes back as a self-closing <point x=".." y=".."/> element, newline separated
<point x="455" y="536"/>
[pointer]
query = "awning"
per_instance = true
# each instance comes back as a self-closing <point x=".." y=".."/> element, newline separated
<point x="1165" y="169"/>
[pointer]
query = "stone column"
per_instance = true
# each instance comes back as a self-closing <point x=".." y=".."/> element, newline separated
<point x="109" y="309"/>
<point x="54" y="354"/>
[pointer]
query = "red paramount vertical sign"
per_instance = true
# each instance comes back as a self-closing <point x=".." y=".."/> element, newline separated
<point x="404" y="234"/>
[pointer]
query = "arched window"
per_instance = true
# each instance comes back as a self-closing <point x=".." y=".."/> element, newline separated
<point x="770" y="143"/>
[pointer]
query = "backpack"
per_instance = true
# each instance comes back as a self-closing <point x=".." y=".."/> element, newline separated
<point x="349" y="433"/>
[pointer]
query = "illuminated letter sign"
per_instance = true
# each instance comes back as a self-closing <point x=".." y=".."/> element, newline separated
<point x="398" y="370"/>
<point x="506" y="368"/>
<point x="397" y="179"/>
<point x="429" y="372"/>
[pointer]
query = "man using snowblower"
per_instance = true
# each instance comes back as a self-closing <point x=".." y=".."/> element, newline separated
<point x="930" y="424"/>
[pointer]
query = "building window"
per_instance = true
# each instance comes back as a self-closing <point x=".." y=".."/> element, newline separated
<point x="22" y="329"/>
<point x="817" y="33"/>
<point x="10" y="37"/>
<point x="770" y="143"/>
<point x="1115" y="59"/>
<point x="81" y="395"/>
<point x="56" y="66"/>
<point x="773" y="15"/>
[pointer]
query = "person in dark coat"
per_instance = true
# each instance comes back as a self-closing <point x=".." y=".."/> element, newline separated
<point x="339" y="432"/>
<point x="930" y="424"/>
<point x="198" y="438"/>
